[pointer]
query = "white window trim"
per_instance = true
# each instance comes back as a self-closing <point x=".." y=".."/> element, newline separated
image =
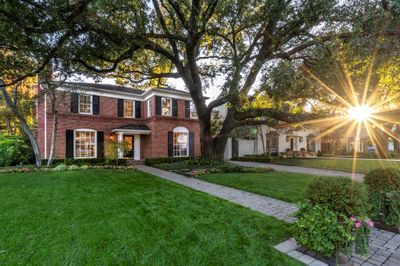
<point x="95" y="142"/>
<point x="181" y="130"/>
<point x="190" y="110"/>
<point x="149" y="108"/>
<point x="170" y="107"/>
<point x="133" y="108"/>
<point x="79" y="104"/>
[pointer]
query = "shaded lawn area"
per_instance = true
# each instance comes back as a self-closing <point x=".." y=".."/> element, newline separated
<point x="362" y="166"/>
<point x="290" y="187"/>
<point x="127" y="217"/>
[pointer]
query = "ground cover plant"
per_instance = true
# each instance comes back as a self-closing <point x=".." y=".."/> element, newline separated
<point x="128" y="217"/>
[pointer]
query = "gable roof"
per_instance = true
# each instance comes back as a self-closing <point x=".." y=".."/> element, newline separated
<point x="117" y="88"/>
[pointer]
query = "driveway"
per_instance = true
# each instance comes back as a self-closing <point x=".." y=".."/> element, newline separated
<point x="303" y="170"/>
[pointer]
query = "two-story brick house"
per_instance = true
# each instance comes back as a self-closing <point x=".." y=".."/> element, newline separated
<point x="157" y="122"/>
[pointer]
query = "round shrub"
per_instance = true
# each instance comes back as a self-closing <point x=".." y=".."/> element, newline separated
<point x="340" y="194"/>
<point x="14" y="150"/>
<point x="321" y="230"/>
<point x="384" y="194"/>
<point x="60" y="167"/>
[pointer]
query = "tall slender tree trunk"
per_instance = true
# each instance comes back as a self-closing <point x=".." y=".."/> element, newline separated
<point x="24" y="126"/>
<point x="53" y="139"/>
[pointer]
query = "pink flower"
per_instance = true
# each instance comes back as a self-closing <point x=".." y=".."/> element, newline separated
<point x="369" y="223"/>
<point x="353" y="218"/>
<point x="357" y="224"/>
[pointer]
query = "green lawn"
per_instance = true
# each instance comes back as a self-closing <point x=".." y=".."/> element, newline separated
<point x="104" y="217"/>
<point x="285" y="186"/>
<point x="362" y="166"/>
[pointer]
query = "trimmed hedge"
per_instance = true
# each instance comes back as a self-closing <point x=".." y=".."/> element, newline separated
<point x="91" y="161"/>
<point x="384" y="194"/>
<point x="158" y="160"/>
<point x="340" y="194"/>
<point x="252" y="158"/>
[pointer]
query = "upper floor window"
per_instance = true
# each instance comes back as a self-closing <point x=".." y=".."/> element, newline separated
<point x="129" y="108"/>
<point x="193" y="113"/>
<point x="85" y="143"/>
<point x="85" y="104"/>
<point x="149" y="108"/>
<point x="166" y="106"/>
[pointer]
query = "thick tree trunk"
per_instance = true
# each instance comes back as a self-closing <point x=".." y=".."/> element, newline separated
<point x="24" y="126"/>
<point x="53" y="139"/>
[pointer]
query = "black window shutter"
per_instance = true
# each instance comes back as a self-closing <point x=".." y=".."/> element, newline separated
<point x="69" y="141"/>
<point x="158" y="105"/>
<point x="191" y="144"/>
<point x="100" y="144"/>
<point x="187" y="109"/>
<point x="120" y="107"/>
<point x="74" y="102"/>
<point x="170" y="144"/>
<point x="174" y="107"/>
<point x="138" y="109"/>
<point x="96" y="104"/>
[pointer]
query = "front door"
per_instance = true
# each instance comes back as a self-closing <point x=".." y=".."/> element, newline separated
<point x="292" y="144"/>
<point x="128" y="149"/>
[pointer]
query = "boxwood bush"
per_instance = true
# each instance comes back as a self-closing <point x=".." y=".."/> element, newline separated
<point x="340" y="194"/>
<point x="384" y="195"/>
<point x="90" y="161"/>
<point x="14" y="150"/>
<point x="158" y="160"/>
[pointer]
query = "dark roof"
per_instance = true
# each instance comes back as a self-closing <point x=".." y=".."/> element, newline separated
<point x="134" y="127"/>
<point x="110" y="87"/>
<point x="107" y="87"/>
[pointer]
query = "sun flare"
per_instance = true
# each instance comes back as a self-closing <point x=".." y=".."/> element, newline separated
<point x="360" y="113"/>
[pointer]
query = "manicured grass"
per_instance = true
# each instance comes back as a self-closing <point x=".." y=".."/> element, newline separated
<point x="362" y="166"/>
<point x="104" y="217"/>
<point x="285" y="186"/>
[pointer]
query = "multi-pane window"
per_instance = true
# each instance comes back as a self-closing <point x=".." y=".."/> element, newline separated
<point x="85" y="144"/>
<point x="85" y="104"/>
<point x="193" y="113"/>
<point x="128" y="108"/>
<point x="166" y="106"/>
<point x="149" y="108"/>
<point x="181" y="144"/>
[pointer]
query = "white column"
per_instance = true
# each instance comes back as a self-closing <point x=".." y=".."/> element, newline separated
<point x="136" y="147"/>
<point x="120" y="140"/>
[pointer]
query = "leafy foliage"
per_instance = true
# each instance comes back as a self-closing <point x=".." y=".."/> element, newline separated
<point x="384" y="193"/>
<point x="322" y="230"/>
<point x="14" y="150"/>
<point x="339" y="194"/>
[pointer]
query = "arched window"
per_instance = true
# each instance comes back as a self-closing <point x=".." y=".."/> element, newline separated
<point x="181" y="142"/>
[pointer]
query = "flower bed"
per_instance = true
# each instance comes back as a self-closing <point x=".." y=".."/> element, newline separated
<point x="333" y="221"/>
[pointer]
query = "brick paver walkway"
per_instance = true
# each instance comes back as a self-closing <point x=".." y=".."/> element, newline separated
<point x="268" y="206"/>
<point x="384" y="246"/>
<point x="304" y="170"/>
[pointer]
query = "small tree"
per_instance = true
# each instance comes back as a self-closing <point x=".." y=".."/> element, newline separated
<point x="113" y="148"/>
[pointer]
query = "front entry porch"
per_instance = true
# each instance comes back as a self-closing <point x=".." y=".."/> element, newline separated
<point x="130" y="136"/>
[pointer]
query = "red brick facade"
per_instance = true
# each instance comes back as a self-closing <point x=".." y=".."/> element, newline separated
<point x="153" y="145"/>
